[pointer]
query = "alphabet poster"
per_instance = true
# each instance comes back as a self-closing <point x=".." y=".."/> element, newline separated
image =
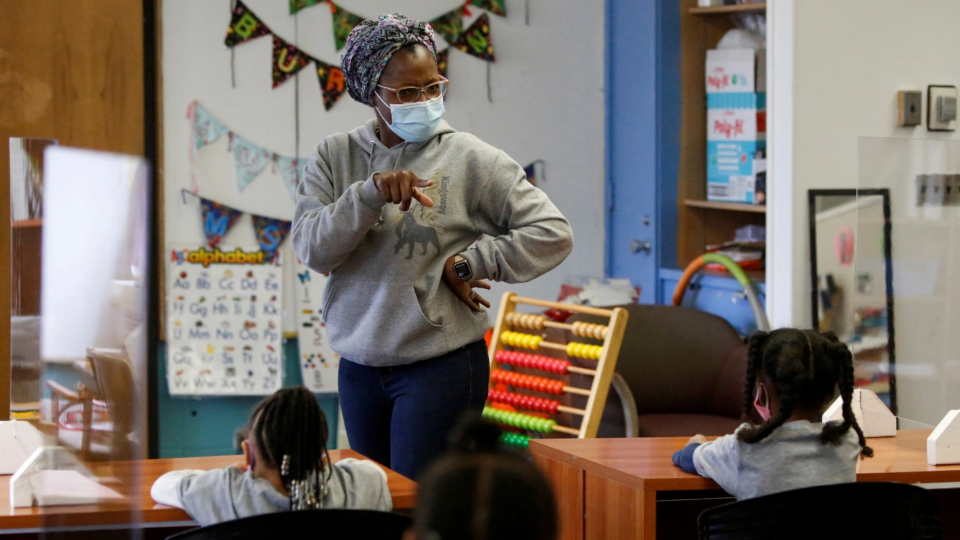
<point x="318" y="362"/>
<point x="224" y="333"/>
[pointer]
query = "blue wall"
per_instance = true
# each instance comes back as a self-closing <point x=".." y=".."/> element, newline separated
<point x="206" y="426"/>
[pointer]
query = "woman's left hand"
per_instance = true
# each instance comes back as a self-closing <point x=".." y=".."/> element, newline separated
<point x="465" y="289"/>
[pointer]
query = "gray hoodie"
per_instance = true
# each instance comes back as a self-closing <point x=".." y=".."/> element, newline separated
<point x="227" y="494"/>
<point x="385" y="302"/>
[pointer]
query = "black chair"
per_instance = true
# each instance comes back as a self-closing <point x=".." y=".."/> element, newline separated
<point x="859" y="510"/>
<point x="338" y="524"/>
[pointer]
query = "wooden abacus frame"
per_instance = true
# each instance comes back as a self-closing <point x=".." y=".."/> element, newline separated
<point x="606" y="362"/>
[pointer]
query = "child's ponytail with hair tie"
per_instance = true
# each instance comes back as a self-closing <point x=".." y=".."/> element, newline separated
<point x="833" y="431"/>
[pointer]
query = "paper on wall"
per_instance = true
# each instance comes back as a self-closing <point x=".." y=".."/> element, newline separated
<point x="224" y="333"/>
<point x="319" y="364"/>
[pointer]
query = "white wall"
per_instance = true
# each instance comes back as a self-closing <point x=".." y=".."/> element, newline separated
<point x="835" y="77"/>
<point x="844" y="65"/>
<point x="547" y="90"/>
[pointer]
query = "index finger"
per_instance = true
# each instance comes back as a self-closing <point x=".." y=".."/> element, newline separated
<point x="422" y="199"/>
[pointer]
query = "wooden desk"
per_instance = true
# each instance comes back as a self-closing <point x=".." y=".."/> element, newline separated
<point x="609" y="488"/>
<point x="133" y="480"/>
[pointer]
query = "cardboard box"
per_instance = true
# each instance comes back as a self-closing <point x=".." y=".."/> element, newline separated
<point x="736" y="125"/>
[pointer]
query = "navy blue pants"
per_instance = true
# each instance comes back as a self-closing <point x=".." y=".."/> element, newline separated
<point x="401" y="416"/>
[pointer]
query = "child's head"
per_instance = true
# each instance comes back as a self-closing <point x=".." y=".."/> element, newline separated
<point x="792" y="371"/>
<point x="478" y="492"/>
<point x="288" y="437"/>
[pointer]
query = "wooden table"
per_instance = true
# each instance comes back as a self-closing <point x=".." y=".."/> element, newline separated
<point x="133" y="479"/>
<point x="609" y="488"/>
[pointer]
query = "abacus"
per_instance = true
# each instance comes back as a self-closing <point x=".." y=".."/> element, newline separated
<point x="514" y="329"/>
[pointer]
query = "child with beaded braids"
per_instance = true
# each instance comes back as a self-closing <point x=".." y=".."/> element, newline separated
<point x="285" y="467"/>
<point x="792" y="375"/>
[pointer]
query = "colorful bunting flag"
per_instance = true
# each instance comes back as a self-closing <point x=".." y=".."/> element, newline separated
<point x="476" y="39"/>
<point x="218" y="219"/>
<point x="442" y="57"/>
<point x="449" y="25"/>
<point x="497" y="7"/>
<point x="270" y="234"/>
<point x="343" y="23"/>
<point x="244" y="26"/>
<point x="249" y="159"/>
<point x="531" y="172"/>
<point x="287" y="61"/>
<point x="297" y="5"/>
<point x="206" y="128"/>
<point x="291" y="169"/>
<point x="332" y="83"/>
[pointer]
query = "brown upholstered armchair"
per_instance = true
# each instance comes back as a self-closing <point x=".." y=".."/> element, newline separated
<point x="682" y="369"/>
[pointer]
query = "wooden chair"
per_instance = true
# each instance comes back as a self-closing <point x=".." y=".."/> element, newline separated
<point x="108" y="393"/>
<point x="337" y="524"/>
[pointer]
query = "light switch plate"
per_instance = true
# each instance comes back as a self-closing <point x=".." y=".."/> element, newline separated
<point x="909" y="108"/>
<point x="941" y="108"/>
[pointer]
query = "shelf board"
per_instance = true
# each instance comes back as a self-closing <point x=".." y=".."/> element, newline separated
<point x="720" y="10"/>
<point x="730" y="207"/>
<point x="27" y="223"/>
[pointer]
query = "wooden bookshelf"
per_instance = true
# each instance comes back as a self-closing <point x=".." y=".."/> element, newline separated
<point x="725" y="10"/>
<point x="700" y="222"/>
<point x="729" y="207"/>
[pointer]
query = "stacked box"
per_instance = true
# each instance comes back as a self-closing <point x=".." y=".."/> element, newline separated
<point x="736" y="124"/>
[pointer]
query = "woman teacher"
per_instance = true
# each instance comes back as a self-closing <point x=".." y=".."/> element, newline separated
<point x="410" y="217"/>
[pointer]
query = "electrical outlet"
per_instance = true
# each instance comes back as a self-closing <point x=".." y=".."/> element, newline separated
<point x="952" y="186"/>
<point x="909" y="108"/>
<point x="941" y="108"/>
<point x="935" y="189"/>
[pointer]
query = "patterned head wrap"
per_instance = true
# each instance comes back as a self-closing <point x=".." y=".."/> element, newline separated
<point x="370" y="46"/>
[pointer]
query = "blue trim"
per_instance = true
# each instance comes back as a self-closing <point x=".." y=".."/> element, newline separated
<point x="668" y="134"/>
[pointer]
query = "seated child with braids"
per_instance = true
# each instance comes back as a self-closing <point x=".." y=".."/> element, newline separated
<point x="792" y="375"/>
<point x="286" y="467"/>
<point x="479" y="492"/>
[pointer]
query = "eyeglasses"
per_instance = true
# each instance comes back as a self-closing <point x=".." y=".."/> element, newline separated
<point x="409" y="94"/>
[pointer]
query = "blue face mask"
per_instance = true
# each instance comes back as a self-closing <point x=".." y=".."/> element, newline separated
<point x="415" y="122"/>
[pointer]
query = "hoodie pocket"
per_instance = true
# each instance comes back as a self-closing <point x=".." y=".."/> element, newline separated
<point x="367" y="321"/>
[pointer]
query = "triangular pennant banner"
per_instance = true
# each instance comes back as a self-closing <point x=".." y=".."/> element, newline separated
<point x="287" y="61"/>
<point x="270" y="234"/>
<point x="476" y="39"/>
<point x="218" y="219"/>
<point x="449" y="25"/>
<point x="497" y="7"/>
<point x="291" y="169"/>
<point x="332" y="83"/>
<point x="206" y="128"/>
<point x="297" y="5"/>
<point x="244" y="26"/>
<point x="249" y="159"/>
<point x="442" y="57"/>
<point x="531" y="172"/>
<point x="343" y="23"/>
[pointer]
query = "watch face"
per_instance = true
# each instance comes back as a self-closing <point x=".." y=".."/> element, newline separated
<point x="462" y="269"/>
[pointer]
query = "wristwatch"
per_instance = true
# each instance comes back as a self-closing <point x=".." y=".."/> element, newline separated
<point x="462" y="268"/>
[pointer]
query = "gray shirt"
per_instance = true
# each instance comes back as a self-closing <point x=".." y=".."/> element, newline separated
<point x="226" y="494"/>
<point x="385" y="302"/>
<point x="791" y="457"/>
